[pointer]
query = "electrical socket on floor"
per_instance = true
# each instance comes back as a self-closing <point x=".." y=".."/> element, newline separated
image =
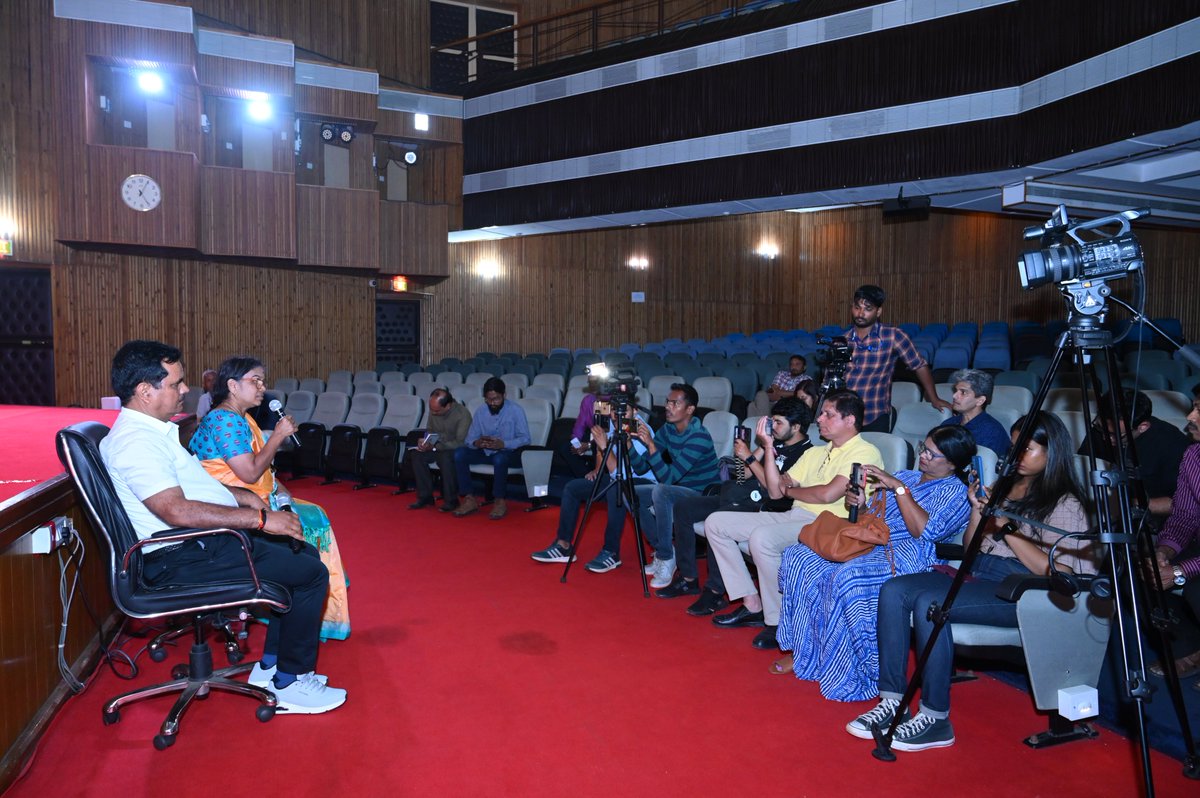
<point x="48" y="537"/>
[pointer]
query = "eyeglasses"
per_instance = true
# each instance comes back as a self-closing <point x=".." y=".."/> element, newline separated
<point x="923" y="449"/>
<point x="257" y="382"/>
<point x="677" y="402"/>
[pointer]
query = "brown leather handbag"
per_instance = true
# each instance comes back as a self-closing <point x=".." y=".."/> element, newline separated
<point x="838" y="540"/>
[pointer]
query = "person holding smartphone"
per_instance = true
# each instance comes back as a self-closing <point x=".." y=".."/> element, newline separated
<point x="446" y="431"/>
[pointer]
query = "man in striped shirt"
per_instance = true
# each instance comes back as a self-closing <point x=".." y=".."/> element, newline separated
<point x="684" y="461"/>
<point x="876" y="347"/>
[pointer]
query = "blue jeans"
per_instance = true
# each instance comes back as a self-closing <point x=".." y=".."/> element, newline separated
<point x="658" y="527"/>
<point x="911" y="595"/>
<point x="499" y="460"/>
<point x="612" y="532"/>
<point x="576" y="493"/>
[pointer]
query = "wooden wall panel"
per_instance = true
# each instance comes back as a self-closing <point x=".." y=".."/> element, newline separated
<point x="30" y="614"/>
<point x="225" y="74"/>
<point x="337" y="227"/>
<point x="391" y="38"/>
<point x="248" y="214"/>
<point x="336" y="105"/>
<point x="300" y="323"/>
<point x="704" y="279"/>
<point x="399" y="125"/>
<point x="161" y="48"/>
<point x="412" y="239"/>
<point x="171" y="224"/>
<point x="568" y="36"/>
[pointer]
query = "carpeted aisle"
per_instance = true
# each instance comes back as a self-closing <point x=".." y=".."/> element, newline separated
<point x="473" y="672"/>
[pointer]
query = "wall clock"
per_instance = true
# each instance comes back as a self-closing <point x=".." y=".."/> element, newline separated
<point x="141" y="192"/>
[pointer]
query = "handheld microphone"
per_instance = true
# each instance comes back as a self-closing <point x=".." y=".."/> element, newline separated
<point x="295" y="545"/>
<point x="276" y="407"/>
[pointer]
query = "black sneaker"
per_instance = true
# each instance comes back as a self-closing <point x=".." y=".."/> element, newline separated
<point x="882" y="715"/>
<point x="679" y="587"/>
<point x="923" y="732"/>
<point x="708" y="603"/>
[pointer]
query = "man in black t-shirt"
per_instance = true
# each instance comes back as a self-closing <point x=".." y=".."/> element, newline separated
<point x="788" y="425"/>
<point x="1158" y="445"/>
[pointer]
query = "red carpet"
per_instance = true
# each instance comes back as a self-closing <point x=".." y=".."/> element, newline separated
<point x="27" y="443"/>
<point x="473" y="672"/>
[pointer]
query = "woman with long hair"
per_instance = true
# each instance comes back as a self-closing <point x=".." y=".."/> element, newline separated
<point x="1047" y="491"/>
<point x="827" y="618"/>
<point x="231" y="447"/>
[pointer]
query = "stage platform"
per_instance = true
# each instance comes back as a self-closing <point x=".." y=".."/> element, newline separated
<point x="27" y="456"/>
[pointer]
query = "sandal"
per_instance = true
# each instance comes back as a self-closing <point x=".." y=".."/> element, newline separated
<point x="781" y="665"/>
<point x="1184" y="666"/>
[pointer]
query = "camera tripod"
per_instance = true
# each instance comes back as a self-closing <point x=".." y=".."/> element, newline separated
<point x="620" y="480"/>
<point x="1127" y="541"/>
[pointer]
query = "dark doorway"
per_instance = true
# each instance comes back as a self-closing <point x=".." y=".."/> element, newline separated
<point x="397" y="331"/>
<point x="26" y="338"/>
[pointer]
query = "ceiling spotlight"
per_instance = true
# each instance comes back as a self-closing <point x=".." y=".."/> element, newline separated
<point x="150" y="82"/>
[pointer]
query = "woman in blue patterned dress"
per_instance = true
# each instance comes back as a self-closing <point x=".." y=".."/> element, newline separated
<point x="827" y="619"/>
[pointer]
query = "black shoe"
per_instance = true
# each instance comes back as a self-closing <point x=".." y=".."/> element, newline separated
<point x="421" y="502"/>
<point x="679" y="587"/>
<point x="448" y="507"/>
<point x="739" y="618"/>
<point x="765" y="639"/>
<point x="708" y="603"/>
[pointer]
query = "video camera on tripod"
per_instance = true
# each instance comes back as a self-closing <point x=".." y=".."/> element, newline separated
<point x="834" y="359"/>
<point x="621" y="387"/>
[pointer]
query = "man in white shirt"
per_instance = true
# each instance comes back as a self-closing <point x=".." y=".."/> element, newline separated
<point x="162" y="486"/>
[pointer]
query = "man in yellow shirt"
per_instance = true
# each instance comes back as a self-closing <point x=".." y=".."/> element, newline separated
<point x="816" y="482"/>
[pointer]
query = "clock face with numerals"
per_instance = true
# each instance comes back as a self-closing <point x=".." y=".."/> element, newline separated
<point x="141" y="192"/>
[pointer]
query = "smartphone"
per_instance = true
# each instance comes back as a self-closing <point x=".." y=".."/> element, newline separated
<point x="742" y="434"/>
<point x="977" y="473"/>
<point x="576" y="443"/>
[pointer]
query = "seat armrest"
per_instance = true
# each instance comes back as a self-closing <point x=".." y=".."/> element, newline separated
<point x="949" y="551"/>
<point x="1014" y="585"/>
<point x="184" y="534"/>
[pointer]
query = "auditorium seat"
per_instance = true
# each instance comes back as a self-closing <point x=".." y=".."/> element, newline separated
<point x="908" y="393"/>
<point x="388" y="377"/>
<point x="287" y="384"/>
<point x="720" y="425"/>
<point x="384" y="448"/>
<point x="313" y="385"/>
<point x="896" y="452"/>
<point x="556" y="381"/>
<point x="914" y="421"/>
<point x="540" y="415"/>
<point x="515" y="380"/>
<point x="1172" y="403"/>
<point x="1016" y="397"/>
<point x="300" y="405"/>
<point x="368" y="387"/>
<point x="549" y="393"/>
<point x="331" y="410"/>
<point x="1025" y="379"/>
<point x="367" y="375"/>
<point x="393" y="389"/>
<point x="660" y="386"/>
<point x="348" y="439"/>
<point x="715" y="393"/>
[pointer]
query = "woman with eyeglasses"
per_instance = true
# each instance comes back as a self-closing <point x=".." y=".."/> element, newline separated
<point x="1047" y="491"/>
<point x="827" y="618"/>
<point x="231" y="447"/>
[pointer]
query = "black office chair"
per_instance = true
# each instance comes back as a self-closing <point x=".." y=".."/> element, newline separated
<point x="78" y="450"/>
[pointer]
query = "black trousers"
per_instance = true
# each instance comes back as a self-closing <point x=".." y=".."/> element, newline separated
<point x="424" y="477"/>
<point x="689" y="511"/>
<point x="293" y="635"/>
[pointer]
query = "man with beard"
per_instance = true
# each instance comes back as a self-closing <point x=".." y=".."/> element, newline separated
<point x="876" y="347"/>
<point x="498" y="430"/>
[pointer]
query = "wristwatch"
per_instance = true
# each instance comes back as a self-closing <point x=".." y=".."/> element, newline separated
<point x="900" y="490"/>
<point x="1180" y="579"/>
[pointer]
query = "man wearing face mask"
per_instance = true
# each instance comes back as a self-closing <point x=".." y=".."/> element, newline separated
<point x="498" y="430"/>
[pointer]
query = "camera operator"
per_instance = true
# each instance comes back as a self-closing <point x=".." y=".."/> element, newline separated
<point x="577" y="492"/>
<point x="788" y="427"/>
<point x="876" y="347"/>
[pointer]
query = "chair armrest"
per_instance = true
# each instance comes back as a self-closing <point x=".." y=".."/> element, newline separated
<point x="184" y="534"/>
<point x="1014" y="585"/>
<point x="949" y="551"/>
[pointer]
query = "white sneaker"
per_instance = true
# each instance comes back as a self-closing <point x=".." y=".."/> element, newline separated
<point x="664" y="570"/>
<point x="652" y="565"/>
<point x="308" y="696"/>
<point x="261" y="677"/>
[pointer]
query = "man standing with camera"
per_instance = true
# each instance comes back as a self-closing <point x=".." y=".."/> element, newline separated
<point x="873" y="363"/>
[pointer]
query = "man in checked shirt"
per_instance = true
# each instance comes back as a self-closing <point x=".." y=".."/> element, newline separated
<point x="876" y="347"/>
